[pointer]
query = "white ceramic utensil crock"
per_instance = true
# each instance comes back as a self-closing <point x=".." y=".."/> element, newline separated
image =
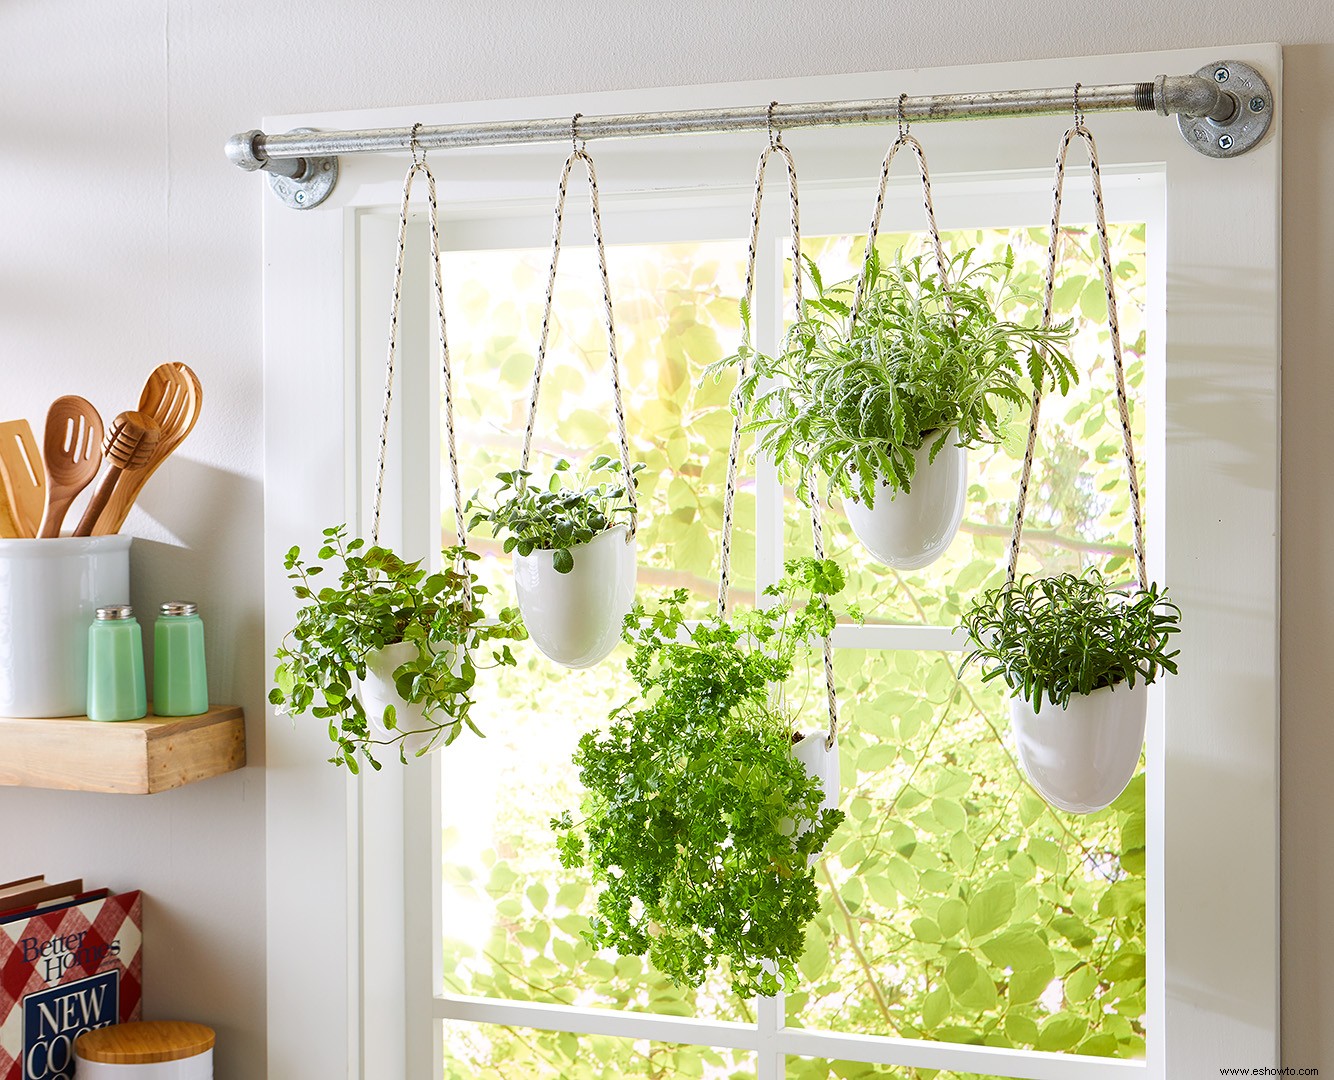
<point x="49" y="591"/>
<point x="1081" y="758"/>
<point x="912" y="529"/>
<point x="575" y="618"/>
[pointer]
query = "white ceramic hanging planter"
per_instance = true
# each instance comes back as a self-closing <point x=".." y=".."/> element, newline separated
<point x="377" y="692"/>
<point x="821" y="763"/>
<point x="575" y="619"/>
<point x="912" y="529"/>
<point x="1081" y="758"/>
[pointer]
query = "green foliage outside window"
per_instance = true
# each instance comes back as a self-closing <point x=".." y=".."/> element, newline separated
<point x="954" y="904"/>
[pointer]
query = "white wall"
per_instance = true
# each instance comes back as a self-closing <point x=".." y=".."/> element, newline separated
<point x="126" y="239"/>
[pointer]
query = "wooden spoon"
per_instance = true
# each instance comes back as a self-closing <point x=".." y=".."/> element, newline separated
<point x="72" y="453"/>
<point x="128" y="446"/>
<point x="22" y="475"/>
<point x="171" y="396"/>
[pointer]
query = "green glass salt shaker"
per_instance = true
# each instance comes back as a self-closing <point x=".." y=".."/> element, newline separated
<point x="116" y="666"/>
<point x="180" y="681"/>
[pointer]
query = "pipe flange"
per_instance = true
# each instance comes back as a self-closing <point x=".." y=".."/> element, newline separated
<point x="312" y="186"/>
<point x="1250" y="120"/>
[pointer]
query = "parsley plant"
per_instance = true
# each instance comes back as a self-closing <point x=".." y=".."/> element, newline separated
<point x="692" y="792"/>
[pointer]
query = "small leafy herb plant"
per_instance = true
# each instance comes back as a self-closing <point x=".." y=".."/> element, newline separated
<point x="382" y="600"/>
<point x="1053" y="637"/>
<point x="855" y="402"/>
<point x="692" y="791"/>
<point x="572" y="510"/>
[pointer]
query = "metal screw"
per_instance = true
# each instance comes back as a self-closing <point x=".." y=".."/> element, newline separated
<point x="1224" y="143"/>
<point x="1257" y="104"/>
<point x="300" y="196"/>
<point x="1220" y="74"/>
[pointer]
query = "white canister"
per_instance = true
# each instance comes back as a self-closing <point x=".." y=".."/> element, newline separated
<point x="151" y="1050"/>
<point x="49" y="591"/>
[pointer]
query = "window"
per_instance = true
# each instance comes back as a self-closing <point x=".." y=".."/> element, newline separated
<point x="1157" y="918"/>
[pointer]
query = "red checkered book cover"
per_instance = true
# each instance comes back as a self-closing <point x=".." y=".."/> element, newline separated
<point x="63" y="971"/>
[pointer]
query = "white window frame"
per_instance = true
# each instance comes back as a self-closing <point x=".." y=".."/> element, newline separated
<point x="352" y="926"/>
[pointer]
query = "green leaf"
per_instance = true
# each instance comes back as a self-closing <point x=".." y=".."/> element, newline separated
<point x="935" y="1007"/>
<point x="991" y="908"/>
<point x="951" y="916"/>
<point x="815" y="957"/>
<point x="1019" y="948"/>
<point x="903" y="877"/>
<point x="876" y="757"/>
<point x="949" y="813"/>
<point x="1074" y="930"/>
<point x="925" y="929"/>
<point x="1080" y="983"/>
<point x="961" y="973"/>
<point x="1021" y="1029"/>
<point x="1061" y="1032"/>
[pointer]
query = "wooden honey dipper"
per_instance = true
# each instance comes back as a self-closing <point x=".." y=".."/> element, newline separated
<point x="129" y="443"/>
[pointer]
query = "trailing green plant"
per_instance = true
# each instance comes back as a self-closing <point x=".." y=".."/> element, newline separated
<point x="380" y="600"/>
<point x="856" y="401"/>
<point x="571" y="510"/>
<point x="692" y="792"/>
<point x="1053" y="637"/>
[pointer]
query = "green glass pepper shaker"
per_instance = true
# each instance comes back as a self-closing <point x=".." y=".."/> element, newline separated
<point x="180" y="680"/>
<point x="116" y="665"/>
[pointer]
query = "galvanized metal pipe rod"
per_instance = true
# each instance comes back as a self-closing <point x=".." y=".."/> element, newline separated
<point x="1219" y="94"/>
<point x="1189" y="94"/>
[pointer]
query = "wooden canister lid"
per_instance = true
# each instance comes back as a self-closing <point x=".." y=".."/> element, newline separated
<point x="144" y="1043"/>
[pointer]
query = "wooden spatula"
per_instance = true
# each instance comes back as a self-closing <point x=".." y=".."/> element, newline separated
<point x="171" y="396"/>
<point x="128" y="446"/>
<point x="72" y="453"/>
<point x="8" y="529"/>
<point x="22" y="475"/>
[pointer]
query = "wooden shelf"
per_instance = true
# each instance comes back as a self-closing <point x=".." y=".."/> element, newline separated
<point x="129" y="757"/>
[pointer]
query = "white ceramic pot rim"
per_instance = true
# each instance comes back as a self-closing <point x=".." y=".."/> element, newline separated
<point x="1076" y="696"/>
<point x="924" y="450"/>
<point x="574" y="549"/>
<point x="63" y="546"/>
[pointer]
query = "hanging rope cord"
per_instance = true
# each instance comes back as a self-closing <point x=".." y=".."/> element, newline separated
<point x="419" y="166"/>
<point x="1127" y="442"/>
<point x="734" y="451"/>
<point x="580" y="153"/>
<point x="909" y="140"/>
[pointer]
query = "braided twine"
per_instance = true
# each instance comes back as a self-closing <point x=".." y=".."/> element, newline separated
<point x="905" y="138"/>
<point x="729" y="495"/>
<point x="1127" y="443"/>
<point x="580" y="154"/>
<point x="446" y="381"/>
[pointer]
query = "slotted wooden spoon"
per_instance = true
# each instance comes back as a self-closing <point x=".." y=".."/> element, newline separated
<point x="171" y="396"/>
<point x="72" y="454"/>
<point x="22" y="475"/>
<point x="128" y="446"/>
